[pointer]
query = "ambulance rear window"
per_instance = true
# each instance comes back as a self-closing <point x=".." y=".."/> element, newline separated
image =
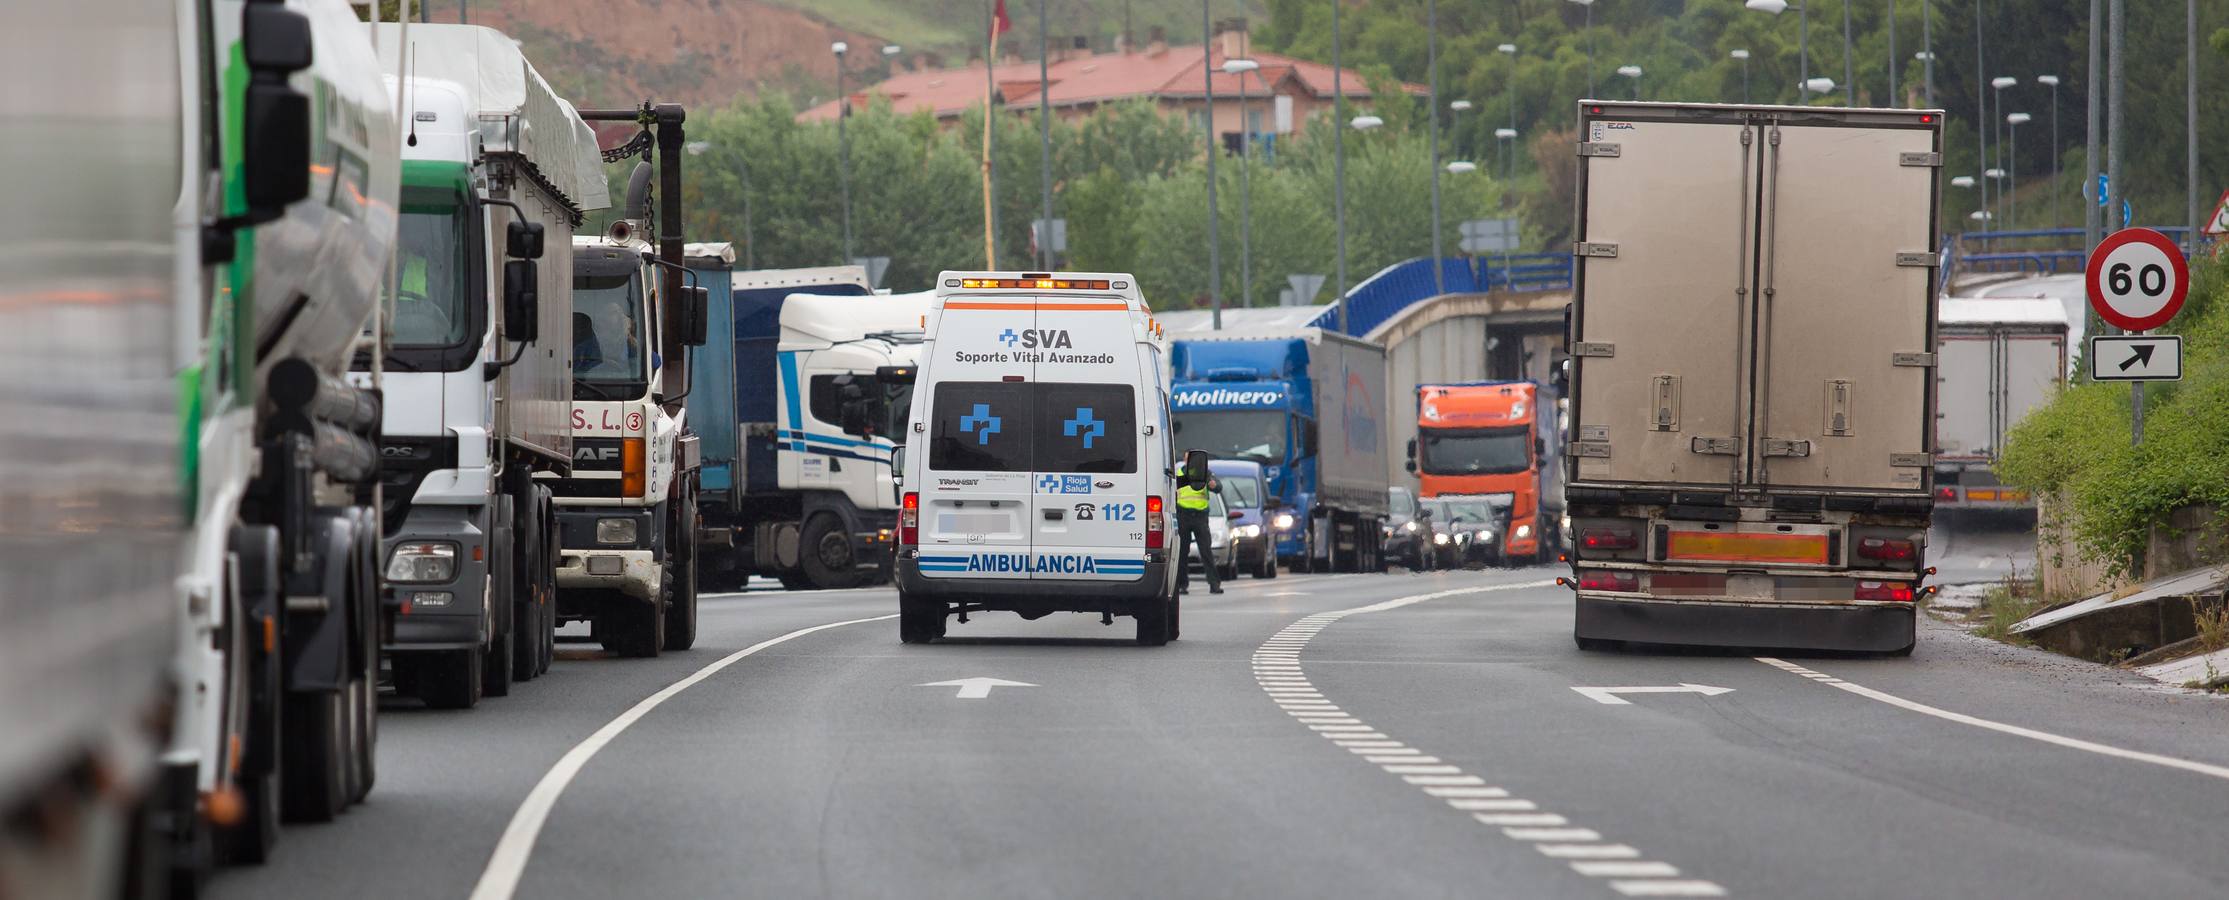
<point x="1086" y="428"/>
<point x="981" y="426"/>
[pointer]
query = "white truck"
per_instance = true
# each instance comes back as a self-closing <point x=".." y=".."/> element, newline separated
<point x="825" y="381"/>
<point x="1996" y="359"/>
<point x="1752" y="381"/>
<point x="496" y="172"/>
<point x="627" y="512"/>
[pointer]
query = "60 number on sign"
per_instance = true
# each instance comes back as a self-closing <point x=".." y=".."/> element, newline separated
<point x="2137" y="279"/>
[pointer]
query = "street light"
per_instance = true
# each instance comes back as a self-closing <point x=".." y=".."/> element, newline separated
<point x="1633" y="72"/>
<point x="1743" y="55"/>
<point x="1803" y="37"/>
<point x="1962" y="181"/>
<point x="2013" y="122"/>
<point x="2052" y="82"/>
<point x="1589" y="27"/>
<point x="1927" y="60"/>
<point x="1819" y="85"/>
<point x="1997" y="94"/>
<point x="843" y="140"/>
<point x="1238" y="68"/>
<point x="1461" y="167"/>
<point x="1365" y="123"/>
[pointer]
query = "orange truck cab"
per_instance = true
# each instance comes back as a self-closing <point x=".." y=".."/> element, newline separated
<point x="1498" y="439"/>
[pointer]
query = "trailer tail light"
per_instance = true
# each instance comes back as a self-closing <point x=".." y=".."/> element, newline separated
<point x="1622" y="582"/>
<point x="1154" y="534"/>
<point x="1947" y="494"/>
<point x="909" y="519"/>
<point x="634" y="473"/>
<point x="1885" y="549"/>
<point x="1609" y="538"/>
<point x="1892" y="591"/>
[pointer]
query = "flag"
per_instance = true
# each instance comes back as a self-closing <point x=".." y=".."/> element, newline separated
<point x="1000" y="24"/>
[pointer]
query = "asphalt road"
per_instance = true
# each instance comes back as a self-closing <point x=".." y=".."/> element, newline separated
<point x="1349" y="736"/>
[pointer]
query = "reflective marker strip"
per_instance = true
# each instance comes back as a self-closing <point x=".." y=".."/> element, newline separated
<point x="1783" y="548"/>
<point x="1025" y="305"/>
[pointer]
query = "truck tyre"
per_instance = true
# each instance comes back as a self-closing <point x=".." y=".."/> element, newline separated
<point x="919" y="621"/>
<point x="825" y="554"/>
<point x="641" y="631"/>
<point x="366" y="683"/>
<point x="680" y="582"/>
<point x="495" y="672"/>
<point x="449" y="679"/>
<point x="259" y="676"/>
<point x="526" y="612"/>
<point x="1176" y="615"/>
<point x="502" y="649"/>
<point x="1153" y="621"/>
<point x="316" y="755"/>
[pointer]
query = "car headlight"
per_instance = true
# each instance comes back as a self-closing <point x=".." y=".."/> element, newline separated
<point x="1284" y="521"/>
<point x="1463" y="537"/>
<point x="1523" y="531"/>
<point x="1439" y="539"/>
<point x="422" y="562"/>
<point x="1408" y="526"/>
<point x="1249" y="531"/>
<point x="615" y="531"/>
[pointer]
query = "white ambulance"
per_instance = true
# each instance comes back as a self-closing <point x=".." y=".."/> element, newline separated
<point x="1036" y="471"/>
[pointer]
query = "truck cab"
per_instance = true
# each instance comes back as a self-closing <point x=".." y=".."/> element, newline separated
<point x="1496" y="439"/>
<point x="1037" y="471"/>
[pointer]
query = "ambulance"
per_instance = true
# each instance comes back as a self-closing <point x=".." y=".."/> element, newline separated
<point x="1036" y="473"/>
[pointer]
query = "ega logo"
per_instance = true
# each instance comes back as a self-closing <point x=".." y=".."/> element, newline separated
<point x="1034" y="338"/>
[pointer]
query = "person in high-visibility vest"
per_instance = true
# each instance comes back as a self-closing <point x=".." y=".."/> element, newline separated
<point x="1191" y="522"/>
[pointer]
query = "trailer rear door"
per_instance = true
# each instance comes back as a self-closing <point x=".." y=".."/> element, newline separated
<point x="1848" y="304"/>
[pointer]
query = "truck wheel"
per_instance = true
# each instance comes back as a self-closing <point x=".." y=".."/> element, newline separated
<point x="495" y="672"/>
<point x="642" y="631"/>
<point x="526" y="613"/>
<point x="825" y="554"/>
<point x="681" y="587"/>
<point x="315" y="754"/>
<point x="1153" y="621"/>
<point x="448" y="680"/>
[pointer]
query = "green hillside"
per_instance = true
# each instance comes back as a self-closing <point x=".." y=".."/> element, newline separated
<point x="952" y="25"/>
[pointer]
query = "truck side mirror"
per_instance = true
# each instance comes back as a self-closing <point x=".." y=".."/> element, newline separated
<point x="522" y="301"/>
<point x="1567" y="328"/>
<point x="275" y="120"/>
<point x="1539" y="447"/>
<point x="1411" y="465"/>
<point x="898" y="473"/>
<point x="1308" y="439"/>
<point x="696" y="315"/>
<point x="523" y="240"/>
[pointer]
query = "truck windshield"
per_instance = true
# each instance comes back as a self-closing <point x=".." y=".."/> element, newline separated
<point x="430" y="302"/>
<point x="1475" y="451"/>
<point x="608" y="336"/>
<point x="1257" y="435"/>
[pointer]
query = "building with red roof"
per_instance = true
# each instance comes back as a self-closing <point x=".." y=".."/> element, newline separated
<point x="1282" y="94"/>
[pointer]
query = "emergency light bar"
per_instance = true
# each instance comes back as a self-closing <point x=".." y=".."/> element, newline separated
<point x="1041" y="284"/>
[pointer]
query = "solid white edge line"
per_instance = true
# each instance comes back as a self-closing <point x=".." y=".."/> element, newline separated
<point x="508" y="862"/>
<point x="2171" y="762"/>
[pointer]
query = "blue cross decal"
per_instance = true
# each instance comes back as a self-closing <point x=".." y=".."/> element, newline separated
<point x="981" y="423"/>
<point x="1086" y="425"/>
<point x="1008" y="337"/>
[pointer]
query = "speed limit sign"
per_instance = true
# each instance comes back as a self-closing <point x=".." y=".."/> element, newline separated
<point x="2137" y="279"/>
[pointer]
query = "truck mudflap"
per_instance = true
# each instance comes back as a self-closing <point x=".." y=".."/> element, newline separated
<point x="1854" y="628"/>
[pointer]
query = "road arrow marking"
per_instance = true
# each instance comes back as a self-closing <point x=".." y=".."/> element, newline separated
<point x="2143" y="356"/>
<point x="978" y="687"/>
<point x="1609" y="695"/>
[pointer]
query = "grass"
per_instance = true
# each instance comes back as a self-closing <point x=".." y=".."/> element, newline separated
<point x="2006" y="605"/>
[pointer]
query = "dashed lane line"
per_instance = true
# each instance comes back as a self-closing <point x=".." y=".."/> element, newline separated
<point x="2156" y="759"/>
<point x="507" y="864"/>
<point x="1278" y="671"/>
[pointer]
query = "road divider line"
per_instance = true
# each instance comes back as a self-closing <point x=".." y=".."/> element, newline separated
<point x="1278" y="672"/>
<point x="500" y="880"/>
<point x="2187" y="765"/>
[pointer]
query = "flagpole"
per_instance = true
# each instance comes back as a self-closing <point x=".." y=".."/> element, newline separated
<point x="990" y="82"/>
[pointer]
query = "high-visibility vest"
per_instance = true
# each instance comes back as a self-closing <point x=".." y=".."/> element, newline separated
<point x="1189" y="497"/>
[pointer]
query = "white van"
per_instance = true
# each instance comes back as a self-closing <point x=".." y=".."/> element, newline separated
<point x="1036" y="471"/>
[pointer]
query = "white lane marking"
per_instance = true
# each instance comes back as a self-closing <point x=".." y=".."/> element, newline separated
<point x="1668" y="888"/>
<point x="2156" y="759"/>
<point x="976" y="688"/>
<point x="1609" y="695"/>
<point x="505" y="866"/>
<point x="1278" y="672"/>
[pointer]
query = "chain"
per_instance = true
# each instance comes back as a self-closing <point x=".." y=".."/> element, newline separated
<point x="639" y="144"/>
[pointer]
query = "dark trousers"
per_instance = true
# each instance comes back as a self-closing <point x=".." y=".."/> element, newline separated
<point x="1191" y="528"/>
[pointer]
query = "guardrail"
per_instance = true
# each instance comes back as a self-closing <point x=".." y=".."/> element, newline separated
<point x="1394" y="288"/>
<point x="2037" y="251"/>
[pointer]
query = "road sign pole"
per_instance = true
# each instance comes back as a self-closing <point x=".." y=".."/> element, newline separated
<point x="2137" y="280"/>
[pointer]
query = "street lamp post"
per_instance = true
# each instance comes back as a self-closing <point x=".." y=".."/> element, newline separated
<point x="1927" y="46"/>
<point x="2052" y="81"/>
<point x="1849" y="74"/>
<point x="1239" y="68"/>
<point x="1927" y="61"/>
<point x="1743" y="55"/>
<point x="1633" y="72"/>
<point x="1432" y="102"/>
<point x="843" y="141"/>
<point x="1214" y="149"/>
<point x="1507" y="137"/>
<point x="1339" y="170"/>
<point x="1589" y="26"/>
<point x="1997" y="94"/>
<point x="2012" y="170"/>
<point x="1803" y="37"/>
<point x="1509" y="87"/>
